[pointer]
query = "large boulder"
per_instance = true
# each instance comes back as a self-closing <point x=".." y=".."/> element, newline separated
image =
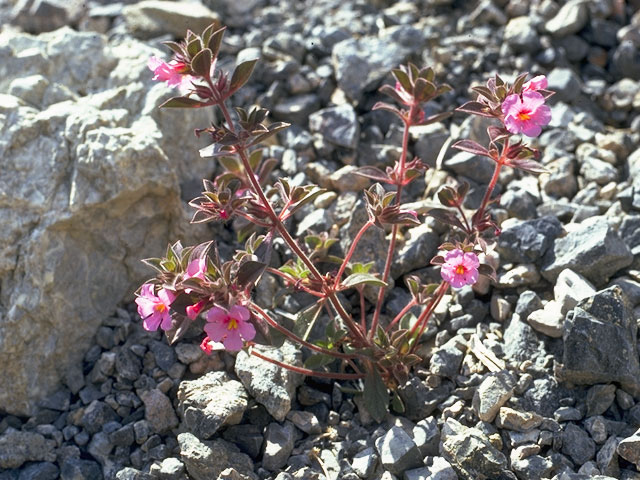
<point x="89" y="185"/>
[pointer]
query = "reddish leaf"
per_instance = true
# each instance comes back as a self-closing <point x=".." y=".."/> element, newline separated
<point x="471" y="147"/>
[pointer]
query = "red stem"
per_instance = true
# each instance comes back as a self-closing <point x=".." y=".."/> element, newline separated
<point x="330" y="293"/>
<point x="423" y="319"/>
<point x="306" y="371"/>
<point x="394" y="229"/>
<point x="351" y="251"/>
<point x="397" y="318"/>
<point x="267" y="318"/>
<point x="492" y="182"/>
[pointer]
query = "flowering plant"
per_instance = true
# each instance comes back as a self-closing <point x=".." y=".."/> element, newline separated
<point x="191" y="281"/>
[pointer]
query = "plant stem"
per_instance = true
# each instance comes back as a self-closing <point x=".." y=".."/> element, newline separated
<point x="397" y="318"/>
<point x="423" y="319"/>
<point x="329" y="292"/>
<point x="306" y="371"/>
<point x="267" y="318"/>
<point x="492" y="183"/>
<point x="352" y="249"/>
<point x="394" y="229"/>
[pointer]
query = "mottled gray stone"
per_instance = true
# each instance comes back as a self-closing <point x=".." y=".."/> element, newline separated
<point x="338" y="125"/>
<point x="158" y="411"/>
<point x="205" y="460"/>
<point x="272" y="386"/>
<point x="210" y="402"/>
<point x="278" y="445"/>
<point x="17" y="448"/>
<point x="571" y="18"/>
<point x="577" y="444"/>
<point x="493" y="393"/>
<point x="471" y="454"/>
<point x="398" y="452"/>
<point x="570" y="288"/>
<point x="594" y="250"/>
<point x="528" y="241"/>
<point x="600" y="342"/>
<point x="599" y="399"/>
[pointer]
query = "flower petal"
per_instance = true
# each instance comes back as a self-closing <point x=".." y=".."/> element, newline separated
<point x="239" y="313"/>
<point x="217" y="315"/>
<point x="233" y="342"/>
<point x="152" y="322"/>
<point x="216" y="331"/>
<point x="247" y="330"/>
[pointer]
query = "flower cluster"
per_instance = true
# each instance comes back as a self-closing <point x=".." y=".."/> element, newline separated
<point x="193" y="284"/>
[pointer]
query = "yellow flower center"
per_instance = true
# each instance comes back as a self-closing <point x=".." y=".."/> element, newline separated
<point x="526" y="115"/>
<point x="460" y="269"/>
<point x="233" y="324"/>
<point x="160" y="308"/>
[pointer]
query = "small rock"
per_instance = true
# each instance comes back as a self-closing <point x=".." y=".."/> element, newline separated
<point x="491" y="394"/>
<point x="205" y="460"/>
<point x="426" y="436"/>
<point x="594" y="250"/>
<point x="521" y="35"/>
<point x="571" y="18"/>
<point x="210" y="402"/>
<point x="398" y="452"/>
<point x="607" y="457"/>
<point x="566" y="414"/>
<point x="577" y="444"/>
<point x="305" y="421"/>
<point x="565" y="83"/>
<point x="77" y="469"/>
<point x="39" y="471"/>
<point x="364" y="462"/>
<point x="278" y="445"/>
<point x="549" y="320"/>
<point x="570" y="288"/>
<point x="270" y="385"/>
<point x="471" y="454"/>
<point x="599" y="399"/>
<point x="514" y="420"/>
<point x="346" y="179"/>
<point x="446" y="360"/>
<point x="528" y="241"/>
<point x="600" y="342"/>
<point x="338" y="125"/>
<point x="629" y="448"/>
<point x="158" y="411"/>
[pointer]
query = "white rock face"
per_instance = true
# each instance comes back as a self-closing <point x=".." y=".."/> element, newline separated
<point x="90" y="176"/>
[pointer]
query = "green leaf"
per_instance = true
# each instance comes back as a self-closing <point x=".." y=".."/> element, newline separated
<point x="396" y="403"/>
<point x="376" y="397"/>
<point x="183" y="102"/>
<point x="215" y="41"/>
<point x="306" y="320"/>
<point x="241" y="74"/>
<point x="194" y="46"/>
<point x="201" y="62"/>
<point x="403" y="79"/>
<point x="250" y="272"/>
<point x="318" y="361"/>
<point x="362" y="279"/>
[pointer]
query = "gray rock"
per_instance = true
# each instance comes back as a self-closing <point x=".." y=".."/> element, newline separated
<point x="364" y="462"/>
<point x="207" y="459"/>
<point x="566" y="414"/>
<point x="521" y="341"/>
<point x="338" y="125"/>
<point x="272" y="386"/>
<point x="305" y="421"/>
<point x="153" y="18"/>
<point x="346" y="179"/>
<point x="570" y="288"/>
<point x="158" y="411"/>
<point x="626" y="61"/>
<point x="599" y="399"/>
<point x="77" y="469"/>
<point x="462" y="162"/>
<point x="88" y="183"/>
<point x="600" y="342"/>
<point x="528" y="302"/>
<point x="96" y="415"/>
<point x="39" y="471"/>
<point x="577" y="444"/>
<point x="129" y="473"/>
<point x="398" y="452"/>
<point x="439" y="469"/>
<point x="528" y="241"/>
<point x="210" y="402"/>
<point x="493" y="393"/>
<point x="446" y="360"/>
<point x="17" y="448"/>
<point x="246" y="436"/>
<point x="278" y="445"/>
<point x="565" y="83"/>
<point x="629" y="448"/>
<point x="171" y="469"/>
<point x="361" y="63"/>
<point x="607" y="457"/>
<point x="571" y="18"/>
<point x="426" y="436"/>
<point x="418" y="250"/>
<point x="521" y="35"/>
<point x="420" y="400"/>
<point x="37" y="16"/>
<point x="533" y="467"/>
<point x="561" y="180"/>
<point x="549" y="320"/>
<point x="471" y="454"/>
<point x="511" y="419"/>
<point x="597" y="428"/>
<point x="296" y="109"/>
<point x="595" y="170"/>
<point x="594" y="250"/>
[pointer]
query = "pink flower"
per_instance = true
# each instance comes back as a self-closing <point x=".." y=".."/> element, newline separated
<point x="525" y="113"/>
<point x="194" y="310"/>
<point x="173" y="72"/>
<point x="195" y="269"/>
<point x="231" y="327"/>
<point x="460" y="268"/>
<point x="536" y="83"/>
<point x="154" y="309"/>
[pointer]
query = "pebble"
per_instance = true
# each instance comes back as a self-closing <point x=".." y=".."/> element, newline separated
<point x="511" y="419"/>
<point x="397" y="451"/>
<point x="492" y="394"/>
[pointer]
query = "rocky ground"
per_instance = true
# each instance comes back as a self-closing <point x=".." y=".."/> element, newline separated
<point x="535" y="377"/>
